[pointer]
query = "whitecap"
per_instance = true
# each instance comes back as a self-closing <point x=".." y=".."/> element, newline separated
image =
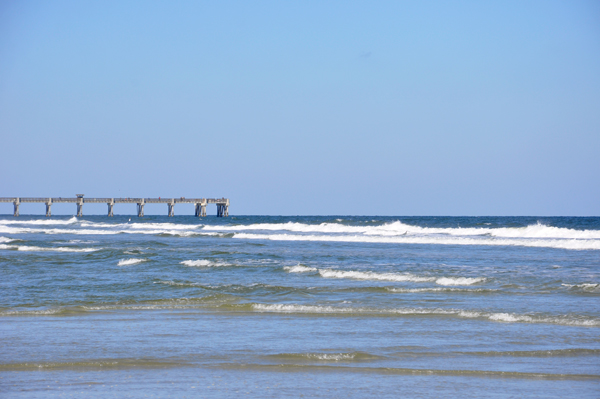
<point x="27" y="248"/>
<point x="130" y="261"/>
<point x="459" y="280"/>
<point x="299" y="269"/>
<point x="203" y="263"/>
<point x="356" y="275"/>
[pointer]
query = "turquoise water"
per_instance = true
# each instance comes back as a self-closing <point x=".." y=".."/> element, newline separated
<point x="299" y="306"/>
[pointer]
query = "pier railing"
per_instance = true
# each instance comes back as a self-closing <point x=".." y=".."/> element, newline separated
<point x="200" y="203"/>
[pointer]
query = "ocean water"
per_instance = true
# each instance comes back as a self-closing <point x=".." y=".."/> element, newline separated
<point x="337" y="306"/>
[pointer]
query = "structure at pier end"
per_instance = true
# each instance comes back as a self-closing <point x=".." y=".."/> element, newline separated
<point x="79" y="200"/>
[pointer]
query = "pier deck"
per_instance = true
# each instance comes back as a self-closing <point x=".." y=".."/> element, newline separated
<point x="200" y="203"/>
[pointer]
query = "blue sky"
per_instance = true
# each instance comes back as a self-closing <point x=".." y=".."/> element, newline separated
<point x="305" y="107"/>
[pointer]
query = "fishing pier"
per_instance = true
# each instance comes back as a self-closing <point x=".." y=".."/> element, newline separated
<point x="199" y="203"/>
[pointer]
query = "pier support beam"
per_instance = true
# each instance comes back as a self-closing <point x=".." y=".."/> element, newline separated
<point x="17" y="202"/>
<point x="140" y="207"/>
<point x="200" y="209"/>
<point x="79" y="207"/>
<point x="222" y="210"/>
<point x="111" y="205"/>
<point x="171" y="206"/>
<point x="49" y="207"/>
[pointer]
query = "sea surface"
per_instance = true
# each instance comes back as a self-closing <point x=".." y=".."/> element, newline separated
<point x="272" y="307"/>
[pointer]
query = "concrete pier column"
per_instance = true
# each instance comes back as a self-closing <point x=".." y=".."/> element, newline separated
<point x="171" y="206"/>
<point x="111" y="205"/>
<point x="17" y="202"/>
<point x="79" y="207"/>
<point x="200" y="209"/>
<point x="49" y="207"/>
<point x="140" y="207"/>
<point x="223" y="209"/>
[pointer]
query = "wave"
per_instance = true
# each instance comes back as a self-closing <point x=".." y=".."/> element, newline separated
<point x="93" y="364"/>
<point x="39" y="221"/>
<point x="222" y="302"/>
<point x="299" y="269"/>
<point x="459" y="280"/>
<point x="439" y="240"/>
<point x="580" y="321"/>
<point x="393" y="277"/>
<point x="326" y="357"/>
<point x="47" y="249"/>
<point x="398" y="228"/>
<point x="6" y="239"/>
<point x="329" y="273"/>
<point x="536" y="235"/>
<point x="176" y="232"/>
<point x="142" y="226"/>
<point x="130" y="261"/>
<point x="439" y="289"/>
<point x="586" y="287"/>
<point x="203" y="263"/>
<point x="303" y="368"/>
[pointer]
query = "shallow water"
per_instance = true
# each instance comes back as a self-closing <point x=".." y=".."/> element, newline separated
<point x="291" y="306"/>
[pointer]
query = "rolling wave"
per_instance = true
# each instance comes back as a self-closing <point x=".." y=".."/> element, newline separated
<point x="536" y="235"/>
<point x="130" y="261"/>
<point x="326" y="357"/>
<point x="400" y="229"/>
<point x="393" y="277"/>
<point x="47" y="249"/>
<point x="221" y="302"/>
<point x="303" y="368"/>
<point x="204" y="263"/>
<point x="581" y="321"/>
<point x="44" y="221"/>
<point x="439" y="240"/>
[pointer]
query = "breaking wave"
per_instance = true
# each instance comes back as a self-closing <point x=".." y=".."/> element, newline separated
<point x="130" y="261"/>
<point x="535" y="235"/>
<point x="39" y="221"/>
<point x="439" y="240"/>
<point x="299" y="269"/>
<point x="399" y="229"/>
<point x="586" y="287"/>
<point x="579" y="321"/>
<point x="203" y="263"/>
<point x="393" y="277"/>
<point x="47" y="249"/>
<point x="325" y="357"/>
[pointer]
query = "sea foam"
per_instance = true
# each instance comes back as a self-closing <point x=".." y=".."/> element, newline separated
<point x="130" y="261"/>
<point x="203" y="263"/>
<point x="29" y="248"/>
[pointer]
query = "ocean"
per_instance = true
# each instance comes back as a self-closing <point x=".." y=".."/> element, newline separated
<point x="271" y="307"/>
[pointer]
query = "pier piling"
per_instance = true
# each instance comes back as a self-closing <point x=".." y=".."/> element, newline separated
<point x="171" y="206"/>
<point x="111" y="205"/>
<point x="79" y="205"/>
<point x="140" y="208"/>
<point x="49" y="207"/>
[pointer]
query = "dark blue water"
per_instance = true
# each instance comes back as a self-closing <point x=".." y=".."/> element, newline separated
<point x="299" y="306"/>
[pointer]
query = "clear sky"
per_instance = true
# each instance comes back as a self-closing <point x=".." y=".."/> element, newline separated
<point x="305" y="107"/>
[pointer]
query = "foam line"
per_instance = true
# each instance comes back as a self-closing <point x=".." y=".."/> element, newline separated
<point x="439" y="240"/>
<point x="130" y="261"/>
<point x="47" y="249"/>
